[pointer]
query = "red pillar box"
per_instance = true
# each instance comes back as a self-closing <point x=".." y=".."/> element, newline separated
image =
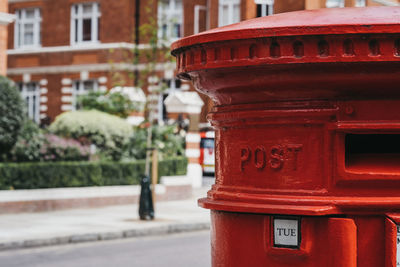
<point x="307" y="119"/>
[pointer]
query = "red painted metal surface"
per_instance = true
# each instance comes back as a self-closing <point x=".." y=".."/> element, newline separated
<point x="307" y="119"/>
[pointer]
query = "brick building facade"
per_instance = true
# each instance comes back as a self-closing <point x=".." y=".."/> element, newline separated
<point x="59" y="49"/>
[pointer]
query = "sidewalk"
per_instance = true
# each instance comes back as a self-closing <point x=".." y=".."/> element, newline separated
<point x="53" y="199"/>
<point x="26" y="230"/>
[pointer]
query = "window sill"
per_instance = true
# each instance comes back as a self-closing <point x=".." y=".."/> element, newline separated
<point x="22" y="48"/>
<point x="86" y="44"/>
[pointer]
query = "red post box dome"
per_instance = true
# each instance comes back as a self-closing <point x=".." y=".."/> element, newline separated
<point x="298" y="55"/>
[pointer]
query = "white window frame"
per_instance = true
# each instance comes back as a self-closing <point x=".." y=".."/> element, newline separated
<point x="78" y="16"/>
<point x="361" y="3"/>
<point x="78" y="89"/>
<point x="32" y="99"/>
<point x="231" y="6"/>
<point x="197" y="9"/>
<point x="334" y="3"/>
<point x="170" y="16"/>
<point x="267" y="7"/>
<point x="19" y="28"/>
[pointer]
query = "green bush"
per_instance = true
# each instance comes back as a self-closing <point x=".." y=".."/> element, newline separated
<point x="11" y="115"/>
<point x="77" y="174"/>
<point x="168" y="143"/>
<point x="109" y="133"/>
<point x="114" y="103"/>
<point x="29" y="143"/>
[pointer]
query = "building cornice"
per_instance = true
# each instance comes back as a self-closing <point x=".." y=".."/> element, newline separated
<point x="73" y="48"/>
<point x="386" y="2"/>
<point x="103" y="67"/>
<point x="20" y="1"/>
<point x="6" y="18"/>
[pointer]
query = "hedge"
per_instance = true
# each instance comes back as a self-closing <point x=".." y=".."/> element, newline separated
<point x="77" y="174"/>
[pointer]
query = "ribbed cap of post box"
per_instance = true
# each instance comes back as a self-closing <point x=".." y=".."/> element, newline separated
<point x="309" y="49"/>
<point x="306" y="22"/>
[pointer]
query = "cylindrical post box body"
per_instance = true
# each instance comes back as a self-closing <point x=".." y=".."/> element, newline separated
<point x="307" y="120"/>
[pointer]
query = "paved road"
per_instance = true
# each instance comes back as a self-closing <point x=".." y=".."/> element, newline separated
<point x="189" y="249"/>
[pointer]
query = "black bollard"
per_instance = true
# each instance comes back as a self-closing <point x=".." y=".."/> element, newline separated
<point x="146" y="209"/>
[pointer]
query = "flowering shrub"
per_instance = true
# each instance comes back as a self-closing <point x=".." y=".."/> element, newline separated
<point x="164" y="139"/>
<point x="168" y="142"/>
<point x="109" y="133"/>
<point x="32" y="145"/>
<point x="62" y="149"/>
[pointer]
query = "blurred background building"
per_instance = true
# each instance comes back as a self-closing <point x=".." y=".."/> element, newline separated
<point x="60" y="49"/>
<point x="5" y="19"/>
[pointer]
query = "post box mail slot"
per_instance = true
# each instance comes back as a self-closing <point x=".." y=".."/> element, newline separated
<point x="372" y="153"/>
<point x="307" y="137"/>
